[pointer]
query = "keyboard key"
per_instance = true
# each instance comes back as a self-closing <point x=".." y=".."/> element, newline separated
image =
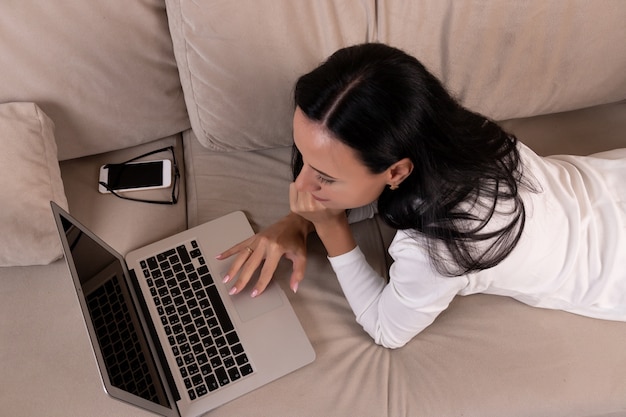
<point x="211" y="383"/>
<point x="152" y="263"/>
<point x="212" y="351"/>
<point x="220" y="342"/>
<point x="198" y="349"/>
<point x="202" y="390"/>
<point x="183" y="254"/>
<point x="197" y="379"/>
<point x="229" y="362"/>
<point x="194" y="339"/>
<point x="237" y="349"/>
<point x="220" y="310"/>
<point x="246" y="370"/>
<point x="222" y="376"/>
<point x="241" y="359"/>
<point x="232" y="338"/>
<point x="224" y="352"/>
<point x="216" y="361"/>
<point x="192" y="369"/>
<point x="234" y="374"/>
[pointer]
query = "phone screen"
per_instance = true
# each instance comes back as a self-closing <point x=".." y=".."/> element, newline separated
<point x="141" y="175"/>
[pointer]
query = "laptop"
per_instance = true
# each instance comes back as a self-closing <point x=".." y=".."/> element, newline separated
<point x="166" y="335"/>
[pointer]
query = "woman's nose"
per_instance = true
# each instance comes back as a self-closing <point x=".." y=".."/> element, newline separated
<point x="306" y="180"/>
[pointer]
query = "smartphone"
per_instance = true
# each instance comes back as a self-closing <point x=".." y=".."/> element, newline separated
<point x="145" y="175"/>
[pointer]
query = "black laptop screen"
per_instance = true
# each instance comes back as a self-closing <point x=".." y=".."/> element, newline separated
<point x="121" y="343"/>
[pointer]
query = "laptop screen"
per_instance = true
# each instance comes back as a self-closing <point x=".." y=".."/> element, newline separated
<point x="120" y="344"/>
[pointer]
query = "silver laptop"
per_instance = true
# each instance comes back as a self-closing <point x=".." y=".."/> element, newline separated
<point x="166" y="335"/>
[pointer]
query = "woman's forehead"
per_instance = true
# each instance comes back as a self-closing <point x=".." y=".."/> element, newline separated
<point x="322" y="150"/>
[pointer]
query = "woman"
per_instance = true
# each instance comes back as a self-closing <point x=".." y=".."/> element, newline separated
<point x="476" y="210"/>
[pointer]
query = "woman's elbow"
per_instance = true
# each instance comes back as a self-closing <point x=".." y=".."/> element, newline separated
<point x="389" y="342"/>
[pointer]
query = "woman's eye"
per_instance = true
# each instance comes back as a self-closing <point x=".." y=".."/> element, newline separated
<point x="324" y="180"/>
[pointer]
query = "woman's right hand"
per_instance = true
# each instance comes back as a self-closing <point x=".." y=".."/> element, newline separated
<point x="287" y="238"/>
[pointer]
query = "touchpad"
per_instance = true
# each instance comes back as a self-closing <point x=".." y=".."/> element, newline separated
<point x="250" y="308"/>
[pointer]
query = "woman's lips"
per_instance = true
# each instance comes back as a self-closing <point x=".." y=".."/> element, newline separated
<point x="319" y="199"/>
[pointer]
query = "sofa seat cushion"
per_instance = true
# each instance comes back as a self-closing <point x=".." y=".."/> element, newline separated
<point x="484" y="356"/>
<point x="125" y="225"/>
<point x="29" y="180"/>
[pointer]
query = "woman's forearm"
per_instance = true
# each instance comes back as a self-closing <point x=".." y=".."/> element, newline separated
<point x="336" y="236"/>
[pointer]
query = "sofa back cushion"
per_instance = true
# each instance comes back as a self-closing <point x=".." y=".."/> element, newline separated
<point x="239" y="61"/>
<point x="512" y="59"/>
<point x="103" y="71"/>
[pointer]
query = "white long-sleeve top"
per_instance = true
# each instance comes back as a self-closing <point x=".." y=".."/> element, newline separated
<point x="571" y="255"/>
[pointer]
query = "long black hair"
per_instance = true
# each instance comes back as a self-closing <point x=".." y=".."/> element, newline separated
<point x="387" y="106"/>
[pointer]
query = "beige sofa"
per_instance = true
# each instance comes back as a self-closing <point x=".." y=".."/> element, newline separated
<point x="103" y="81"/>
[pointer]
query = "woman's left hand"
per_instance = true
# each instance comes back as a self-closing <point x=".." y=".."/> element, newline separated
<point x="331" y="225"/>
<point x="303" y="203"/>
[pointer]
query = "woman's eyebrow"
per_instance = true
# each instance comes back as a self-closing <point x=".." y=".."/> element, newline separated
<point x="323" y="173"/>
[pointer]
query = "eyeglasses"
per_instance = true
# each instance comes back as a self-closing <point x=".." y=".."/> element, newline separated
<point x="175" y="187"/>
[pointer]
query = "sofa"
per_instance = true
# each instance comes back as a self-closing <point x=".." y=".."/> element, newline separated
<point x="86" y="83"/>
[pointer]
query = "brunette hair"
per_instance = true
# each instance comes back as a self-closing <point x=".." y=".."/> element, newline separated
<point x="387" y="106"/>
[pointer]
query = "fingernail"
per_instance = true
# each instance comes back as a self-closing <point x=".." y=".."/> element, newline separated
<point x="218" y="256"/>
<point x="226" y="279"/>
<point x="294" y="287"/>
<point x="254" y="293"/>
<point x="233" y="291"/>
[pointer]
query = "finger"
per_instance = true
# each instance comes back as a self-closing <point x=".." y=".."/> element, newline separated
<point x="299" y="267"/>
<point x="239" y="261"/>
<point x="300" y="202"/>
<point x="235" y="249"/>
<point x="246" y="270"/>
<point x="267" y="273"/>
<point x="293" y="196"/>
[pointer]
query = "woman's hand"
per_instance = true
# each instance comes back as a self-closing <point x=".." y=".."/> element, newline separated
<point x="287" y="237"/>
<point x="331" y="225"/>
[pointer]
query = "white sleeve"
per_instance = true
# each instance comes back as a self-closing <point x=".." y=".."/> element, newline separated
<point x="393" y="313"/>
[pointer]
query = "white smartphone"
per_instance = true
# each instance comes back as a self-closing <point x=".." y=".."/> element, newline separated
<point x="134" y="176"/>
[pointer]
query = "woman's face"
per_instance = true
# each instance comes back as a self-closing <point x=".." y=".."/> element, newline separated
<point x="332" y="173"/>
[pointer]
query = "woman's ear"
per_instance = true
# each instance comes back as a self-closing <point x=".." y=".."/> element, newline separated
<point x="399" y="171"/>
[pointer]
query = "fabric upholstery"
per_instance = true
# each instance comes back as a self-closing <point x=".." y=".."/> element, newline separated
<point x="484" y="356"/>
<point x="515" y="59"/>
<point x="104" y="71"/>
<point x="29" y="179"/>
<point x="238" y="61"/>
<point x="124" y="225"/>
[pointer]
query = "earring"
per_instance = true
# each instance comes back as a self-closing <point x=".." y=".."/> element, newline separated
<point x="393" y="187"/>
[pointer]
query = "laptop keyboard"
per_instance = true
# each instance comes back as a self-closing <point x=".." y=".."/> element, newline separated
<point x="200" y="332"/>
